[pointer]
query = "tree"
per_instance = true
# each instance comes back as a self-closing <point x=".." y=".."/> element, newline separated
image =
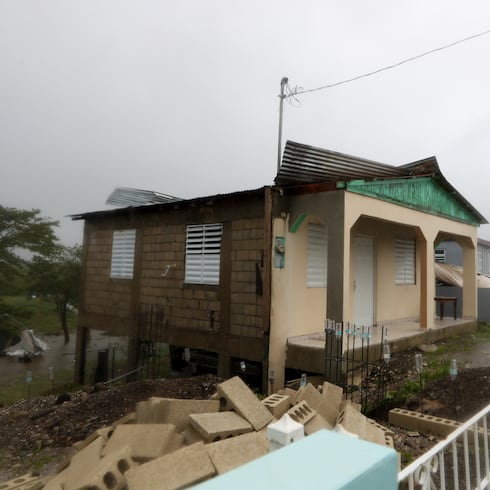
<point x="23" y="234"/>
<point x="58" y="278"/>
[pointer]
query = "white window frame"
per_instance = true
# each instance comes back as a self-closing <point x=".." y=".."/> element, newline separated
<point x="317" y="253"/>
<point x="203" y="253"/>
<point x="405" y="262"/>
<point x="122" y="258"/>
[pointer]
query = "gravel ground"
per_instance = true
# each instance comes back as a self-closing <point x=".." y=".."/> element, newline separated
<point x="36" y="435"/>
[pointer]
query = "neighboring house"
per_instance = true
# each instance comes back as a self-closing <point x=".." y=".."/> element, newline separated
<point x="236" y="275"/>
<point x="449" y="252"/>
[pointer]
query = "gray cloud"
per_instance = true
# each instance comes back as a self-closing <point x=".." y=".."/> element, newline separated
<point x="181" y="97"/>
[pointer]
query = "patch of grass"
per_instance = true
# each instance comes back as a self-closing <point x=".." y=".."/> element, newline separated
<point x="39" y="461"/>
<point x="37" y="314"/>
<point x="483" y="331"/>
<point x="406" y="457"/>
<point x="18" y="389"/>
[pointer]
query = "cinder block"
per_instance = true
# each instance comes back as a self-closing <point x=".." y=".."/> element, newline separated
<point x="147" y="441"/>
<point x="288" y="391"/>
<point x="388" y="434"/>
<point x="315" y="424"/>
<point x="352" y="421"/>
<point x="239" y="396"/>
<point x="180" y="469"/>
<point x="319" y="403"/>
<point x="352" y="404"/>
<point x="298" y="395"/>
<point x="236" y="451"/>
<point x="422" y="423"/>
<point x="284" y="432"/>
<point x="191" y="436"/>
<point x="83" y="462"/>
<point x="129" y="418"/>
<point x="104" y="432"/>
<point x="374" y="433"/>
<point x="172" y="411"/>
<point x="176" y="442"/>
<point x="301" y="412"/>
<point x="216" y="426"/>
<point x="145" y="411"/>
<point x="355" y="422"/>
<point x="277" y="405"/>
<point x="55" y="482"/>
<point x="333" y="393"/>
<point x="24" y="482"/>
<point x="109" y="473"/>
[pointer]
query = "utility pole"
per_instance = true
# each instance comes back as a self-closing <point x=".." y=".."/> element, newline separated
<point x="279" y="139"/>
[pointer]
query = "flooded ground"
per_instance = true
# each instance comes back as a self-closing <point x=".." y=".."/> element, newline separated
<point x="59" y="357"/>
<point x="478" y="356"/>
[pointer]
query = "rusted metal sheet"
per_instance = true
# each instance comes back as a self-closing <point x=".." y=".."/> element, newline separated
<point x="308" y="164"/>
<point x="304" y="164"/>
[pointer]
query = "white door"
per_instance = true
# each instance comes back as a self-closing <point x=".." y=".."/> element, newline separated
<point x="364" y="281"/>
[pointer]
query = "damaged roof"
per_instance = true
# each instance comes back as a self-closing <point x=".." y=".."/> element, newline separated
<point x="301" y="165"/>
<point x="305" y="164"/>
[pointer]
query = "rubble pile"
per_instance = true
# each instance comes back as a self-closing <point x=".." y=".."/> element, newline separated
<point x="170" y="443"/>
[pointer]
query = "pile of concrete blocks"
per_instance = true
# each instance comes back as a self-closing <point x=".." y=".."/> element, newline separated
<point x="173" y="443"/>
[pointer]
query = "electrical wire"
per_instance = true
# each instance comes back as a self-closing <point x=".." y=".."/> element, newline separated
<point x="294" y="92"/>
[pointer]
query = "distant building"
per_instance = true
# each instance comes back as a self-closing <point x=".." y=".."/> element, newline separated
<point x="449" y="252"/>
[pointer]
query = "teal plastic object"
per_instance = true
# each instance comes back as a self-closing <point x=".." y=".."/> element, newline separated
<point x="325" y="460"/>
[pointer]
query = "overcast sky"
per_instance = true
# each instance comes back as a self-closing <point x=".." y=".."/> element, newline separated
<point x="181" y="97"/>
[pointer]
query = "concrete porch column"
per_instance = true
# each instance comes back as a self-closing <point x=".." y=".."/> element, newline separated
<point x="426" y="240"/>
<point x="470" y="281"/>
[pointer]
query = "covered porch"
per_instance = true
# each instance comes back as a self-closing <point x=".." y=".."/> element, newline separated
<point x="307" y="352"/>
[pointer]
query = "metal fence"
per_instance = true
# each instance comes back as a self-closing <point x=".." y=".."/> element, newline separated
<point x="356" y="358"/>
<point x="150" y="347"/>
<point x="459" y="461"/>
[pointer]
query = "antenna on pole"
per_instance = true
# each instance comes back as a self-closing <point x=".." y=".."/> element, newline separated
<point x="284" y="81"/>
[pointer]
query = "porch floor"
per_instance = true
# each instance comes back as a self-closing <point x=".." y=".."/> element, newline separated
<point x="308" y="351"/>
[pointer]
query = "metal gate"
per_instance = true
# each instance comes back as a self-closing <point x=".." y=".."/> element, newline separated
<point x="356" y="358"/>
<point x="151" y="351"/>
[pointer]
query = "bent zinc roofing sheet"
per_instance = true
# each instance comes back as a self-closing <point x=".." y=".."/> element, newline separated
<point x="302" y="164"/>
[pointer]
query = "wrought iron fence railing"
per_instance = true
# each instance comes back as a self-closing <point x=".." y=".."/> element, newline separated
<point x="356" y="358"/>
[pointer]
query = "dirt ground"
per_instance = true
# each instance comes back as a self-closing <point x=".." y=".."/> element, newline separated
<point x="36" y="435"/>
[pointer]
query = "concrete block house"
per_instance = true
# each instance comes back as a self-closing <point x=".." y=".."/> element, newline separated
<point x="235" y="276"/>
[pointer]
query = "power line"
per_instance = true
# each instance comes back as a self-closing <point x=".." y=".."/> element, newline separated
<point x="300" y="91"/>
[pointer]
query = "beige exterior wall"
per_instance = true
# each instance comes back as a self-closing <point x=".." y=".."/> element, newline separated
<point x="388" y="305"/>
<point x="401" y="302"/>
<point x="295" y="308"/>
<point x="296" y="311"/>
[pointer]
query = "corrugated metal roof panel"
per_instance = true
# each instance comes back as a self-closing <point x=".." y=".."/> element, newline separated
<point x="304" y="163"/>
<point x="127" y="196"/>
<point x="308" y="164"/>
<point x="169" y="204"/>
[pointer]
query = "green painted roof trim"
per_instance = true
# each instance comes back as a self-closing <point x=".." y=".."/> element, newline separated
<point x="420" y="193"/>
